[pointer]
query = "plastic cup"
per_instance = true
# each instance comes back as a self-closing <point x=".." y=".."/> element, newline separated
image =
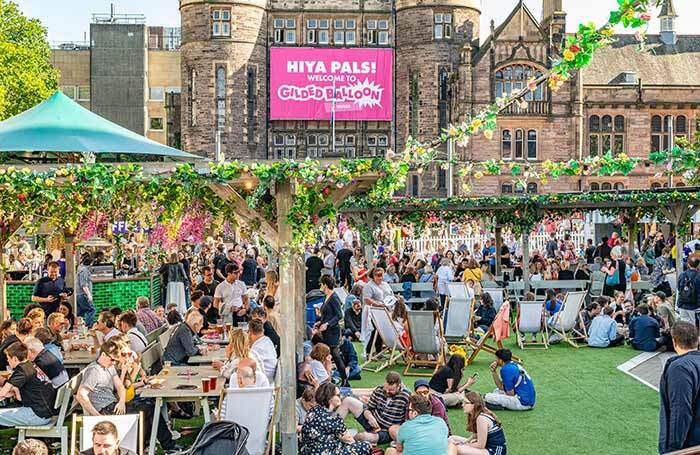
<point x="212" y="382"/>
<point x="205" y="385"/>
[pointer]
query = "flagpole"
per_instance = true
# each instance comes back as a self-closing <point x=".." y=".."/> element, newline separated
<point x="333" y="117"/>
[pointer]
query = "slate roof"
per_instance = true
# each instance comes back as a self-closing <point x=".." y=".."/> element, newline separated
<point x="657" y="64"/>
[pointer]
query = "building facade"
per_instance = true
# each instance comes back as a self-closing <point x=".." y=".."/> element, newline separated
<point x="625" y="101"/>
<point x="128" y="73"/>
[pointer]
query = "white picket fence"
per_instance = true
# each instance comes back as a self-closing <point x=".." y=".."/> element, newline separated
<point x="429" y="244"/>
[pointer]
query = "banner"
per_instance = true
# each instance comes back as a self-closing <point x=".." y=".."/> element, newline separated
<point x="315" y="84"/>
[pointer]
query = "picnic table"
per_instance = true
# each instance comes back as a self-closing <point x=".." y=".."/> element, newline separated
<point x="78" y="359"/>
<point x="210" y="356"/>
<point x="181" y="383"/>
<point x="220" y="340"/>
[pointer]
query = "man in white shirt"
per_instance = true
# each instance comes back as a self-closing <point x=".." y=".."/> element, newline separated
<point x="127" y="324"/>
<point x="260" y="380"/>
<point x="263" y="347"/>
<point x="375" y="294"/>
<point x="230" y="296"/>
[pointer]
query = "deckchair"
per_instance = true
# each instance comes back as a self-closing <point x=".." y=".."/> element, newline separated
<point x="482" y="344"/>
<point x="497" y="296"/>
<point x="253" y="408"/>
<point x="386" y="330"/>
<point x="565" y="321"/>
<point x="422" y="327"/>
<point x="458" y="312"/>
<point x="129" y="429"/>
<point x="530" y="320"/>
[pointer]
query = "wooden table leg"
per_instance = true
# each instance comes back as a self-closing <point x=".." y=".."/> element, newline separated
<point x="205" y="410"/>
<point x="154" y="426"/>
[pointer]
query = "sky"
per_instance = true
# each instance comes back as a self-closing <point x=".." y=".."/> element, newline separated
<point x="69" y="20"/>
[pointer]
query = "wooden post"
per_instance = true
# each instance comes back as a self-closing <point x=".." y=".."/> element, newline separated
<point x="70" y="266"/>
<point x="679" y="254"/>
<point x="499" y="243"/>
<point x="525" y="240"/>
<point x="288" y="436"/>
<point x="3" y="301"/>
<point x="632" y="232"/>
<point x="300" y="287"/>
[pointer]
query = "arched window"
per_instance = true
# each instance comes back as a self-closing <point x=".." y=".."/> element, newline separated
<point x="532" y="145"/>
<point x="506" y="144"/>
<point x="220" y="97"/>
<point x="619" y="186"/>
<point x="442" y="98"/>
<point x="507" y="188"/>
<point x="519" y="144"/>
<point x="532" y="188"/>
<point x="606" y="134"/>
<point x="681" y="125"/>
<point x="595" y="187"/>
<point x="515" y="77"/>
<point x="655" y="185"/>
<point x="415" y="186"/>
<point x="661" y="128"/>
<point x="606" y="186"/>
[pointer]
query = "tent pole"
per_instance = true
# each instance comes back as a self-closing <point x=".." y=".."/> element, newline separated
<point x="525" y="240"/>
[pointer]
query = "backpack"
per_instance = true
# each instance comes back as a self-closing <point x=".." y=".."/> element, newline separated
<point x="687" y="292"/>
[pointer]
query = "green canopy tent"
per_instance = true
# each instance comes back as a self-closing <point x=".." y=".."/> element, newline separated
<point x="61" y="125"/>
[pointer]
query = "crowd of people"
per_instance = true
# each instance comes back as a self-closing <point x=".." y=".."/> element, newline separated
<point x="214" y="285"/>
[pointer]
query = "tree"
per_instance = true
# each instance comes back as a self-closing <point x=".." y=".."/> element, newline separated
<point x="26" y="74"/>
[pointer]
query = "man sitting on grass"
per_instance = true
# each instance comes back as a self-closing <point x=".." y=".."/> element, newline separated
<point x="515" y="390"/>
<point x="603" y="331"/>
<point x="644" y="330"/>
<point x="387" y="406"/>
<point x="422" y="433"/>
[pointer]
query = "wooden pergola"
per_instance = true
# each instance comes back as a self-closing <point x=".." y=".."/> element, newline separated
<point x="677" y="213"/>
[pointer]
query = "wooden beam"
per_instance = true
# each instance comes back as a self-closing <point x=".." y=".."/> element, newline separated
<point x="249" y="215"/>
<point x="288" y="377"/>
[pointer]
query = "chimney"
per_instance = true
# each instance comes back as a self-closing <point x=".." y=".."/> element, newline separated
<point x="554" y="19"/>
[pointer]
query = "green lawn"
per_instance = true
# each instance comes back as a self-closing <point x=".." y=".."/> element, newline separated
<point x="584" y="404"/>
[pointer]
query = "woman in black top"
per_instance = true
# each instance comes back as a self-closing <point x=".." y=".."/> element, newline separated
<point x="328" y="324"/>
<point x="486" y="313"/>
<point x="445" y="382"/>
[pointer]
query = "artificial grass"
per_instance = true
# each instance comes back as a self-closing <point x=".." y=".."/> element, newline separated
<point x="584" y="404"/>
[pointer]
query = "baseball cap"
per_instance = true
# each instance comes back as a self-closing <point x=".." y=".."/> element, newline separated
<point x="421" y="383"/>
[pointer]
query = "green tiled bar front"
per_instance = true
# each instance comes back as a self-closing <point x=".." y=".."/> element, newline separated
<point x="107" y="293"/>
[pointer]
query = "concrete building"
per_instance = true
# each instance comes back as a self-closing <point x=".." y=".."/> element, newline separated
<point x="127" y="73"/>
<point x="625" y="100"/>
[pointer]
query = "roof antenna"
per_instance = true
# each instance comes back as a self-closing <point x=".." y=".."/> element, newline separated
<point x="111" y="12"/>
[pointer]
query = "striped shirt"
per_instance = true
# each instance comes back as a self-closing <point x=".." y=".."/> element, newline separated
<point x="388" y="410"/>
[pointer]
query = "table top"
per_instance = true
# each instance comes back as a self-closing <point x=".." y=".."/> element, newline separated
<point x="78" y="357"/>
<point x="178" y="376"/>
<point x="208" y="358"/>
<point x="216" y="340"/>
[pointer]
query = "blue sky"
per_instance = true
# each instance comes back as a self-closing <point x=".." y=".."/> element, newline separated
<point x="68" y="20"/>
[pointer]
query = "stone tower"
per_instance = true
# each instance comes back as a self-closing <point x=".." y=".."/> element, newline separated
<point x="224" y="77"/>
<point x="430" y="39"/>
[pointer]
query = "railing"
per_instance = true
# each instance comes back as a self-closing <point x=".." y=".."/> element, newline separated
<point x="533" y="108"/>
<point x="429" y="244"/>
<point x="71" y="45"/>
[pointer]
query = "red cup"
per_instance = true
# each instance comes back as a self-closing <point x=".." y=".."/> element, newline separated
<point x="212" y="382"/>
<point x="205" y="385"/>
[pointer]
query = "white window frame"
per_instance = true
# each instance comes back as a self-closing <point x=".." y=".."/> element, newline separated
<point x="73" y="89"/>
<point x="221" y="22"/>
<point x="79" y="97"/>
<point x="338" y="37"/>
<point x="350" y="38"/>
<point x="156" y="98"/>
<point x="150" y="124"/>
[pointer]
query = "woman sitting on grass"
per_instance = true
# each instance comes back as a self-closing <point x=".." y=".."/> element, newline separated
<point x="324" y="431"/>
<point x="487" y="438"/>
